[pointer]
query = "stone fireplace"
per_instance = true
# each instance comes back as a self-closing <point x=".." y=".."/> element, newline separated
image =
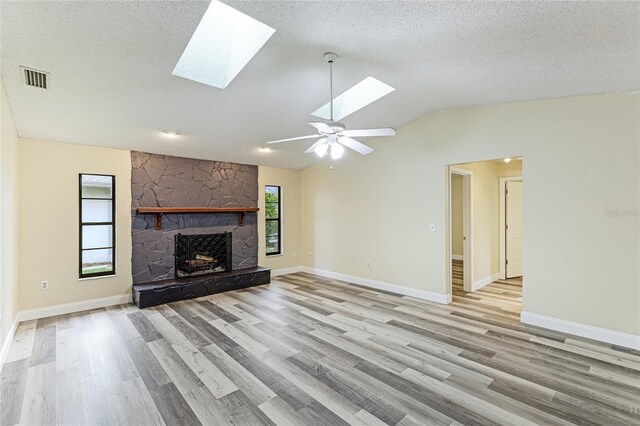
<point x="161" y="271"/>
<point x="167" y="181"/>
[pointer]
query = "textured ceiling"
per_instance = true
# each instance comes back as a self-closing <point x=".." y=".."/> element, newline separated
<point x="111" y="66"/>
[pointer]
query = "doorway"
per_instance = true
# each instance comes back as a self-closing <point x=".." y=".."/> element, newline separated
<point x="461" y="229"/>
<point x="484" y="232"/>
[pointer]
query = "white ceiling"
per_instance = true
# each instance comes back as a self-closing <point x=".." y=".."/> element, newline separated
<point x="111" y="66"/>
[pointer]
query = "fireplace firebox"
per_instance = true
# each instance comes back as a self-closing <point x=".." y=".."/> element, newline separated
<point x="201" y="254"/>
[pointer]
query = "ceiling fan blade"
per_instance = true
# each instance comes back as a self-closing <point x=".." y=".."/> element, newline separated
<point x="295" y="139"/>
<point x="387" y="131"/>
<point x="323" y="127"/>
<point x="355" y="145"/>
<point x="313" y="147"/>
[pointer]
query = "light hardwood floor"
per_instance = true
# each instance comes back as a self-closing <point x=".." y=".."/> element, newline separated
<point x="457" y="274"/>
<point x="309" y="351"/>
<point x="457" y="278"/>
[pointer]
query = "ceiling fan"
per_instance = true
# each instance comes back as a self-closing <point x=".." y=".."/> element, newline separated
<point x="332" y="134"/>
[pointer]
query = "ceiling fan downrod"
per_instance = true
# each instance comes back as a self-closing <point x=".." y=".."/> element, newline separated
<point x="330" y="57"/>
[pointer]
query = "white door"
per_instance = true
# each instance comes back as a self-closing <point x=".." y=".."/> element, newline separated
<point x="513" y="231"/>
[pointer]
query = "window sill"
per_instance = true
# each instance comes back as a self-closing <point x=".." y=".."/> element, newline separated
<point x="274" y="255"/>
<point x="97" y="278"/>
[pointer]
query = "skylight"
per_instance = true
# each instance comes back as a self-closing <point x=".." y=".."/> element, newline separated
<point x="362" y="94"/>
<point x="222" y="44"/>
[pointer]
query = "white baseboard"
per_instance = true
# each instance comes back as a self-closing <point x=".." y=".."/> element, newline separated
<point x="485" y="281"/>
<point x="582" y="330"/>
<point x="67" y="308"/>
<point x="457" y="257"/>
<point x="285" y="271"/>
<point x="381" y="285"/>
<point x="6" y="345"/>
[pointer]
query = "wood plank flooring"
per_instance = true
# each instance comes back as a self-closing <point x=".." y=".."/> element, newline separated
<point x="457" y="278"/>
<point x="306" y="350"/>
<point x="457" y="274"/>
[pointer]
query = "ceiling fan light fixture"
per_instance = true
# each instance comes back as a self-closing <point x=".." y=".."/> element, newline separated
<point x="336" y="151"/>
<point x="321" y="150"/>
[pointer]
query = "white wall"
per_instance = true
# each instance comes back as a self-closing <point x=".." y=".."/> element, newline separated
<point x="49" y="232"/>
<point x="289" y="181"/>
<point x="581" y="198"/>
<point x="9" y="297"/>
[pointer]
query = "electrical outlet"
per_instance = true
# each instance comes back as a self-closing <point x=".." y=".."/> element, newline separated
<point x="432" y="227"/>
<point x="44" y="285"/>
<point x="368" y="264"/>
<point x="294" y="253"/>
<point x="310" y="254"/>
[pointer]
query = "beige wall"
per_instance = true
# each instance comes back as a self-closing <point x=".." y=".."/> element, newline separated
<point x="582" y="187"/>
<point x="289" y="181"/>
<point x="50" y="178"/>
<point x="457" y="242"/>
<point x="513" y="168"/>
<point x="486" y="213"/>
<point x="49" y="222"/>
<point x="486" y="219"/>
<point x="9" y="297"/>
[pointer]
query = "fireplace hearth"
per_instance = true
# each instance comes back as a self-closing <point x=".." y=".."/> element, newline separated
<point x="202" y="254"/>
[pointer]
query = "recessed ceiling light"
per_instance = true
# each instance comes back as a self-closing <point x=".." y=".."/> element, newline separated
<point x="362" y="94"/>
<point x="171" y="133"/>
<point x="222" y="44"/>
<point x="506" y="160"/>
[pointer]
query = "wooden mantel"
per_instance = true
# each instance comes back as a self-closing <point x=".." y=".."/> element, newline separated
<point x="159" y="211"/>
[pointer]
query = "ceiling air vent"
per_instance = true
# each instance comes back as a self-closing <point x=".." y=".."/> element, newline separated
<point x="35" y="78"/>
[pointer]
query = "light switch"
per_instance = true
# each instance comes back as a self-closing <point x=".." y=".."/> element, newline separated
<point x="432" y="227"/>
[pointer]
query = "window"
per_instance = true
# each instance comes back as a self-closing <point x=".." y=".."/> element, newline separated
<point x="273" y="208"/>
<point x="97" y="225"/>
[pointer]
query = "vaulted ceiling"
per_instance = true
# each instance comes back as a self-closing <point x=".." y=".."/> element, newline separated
<point x="111" y="63"/>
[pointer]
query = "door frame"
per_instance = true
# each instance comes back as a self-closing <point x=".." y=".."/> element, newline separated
<point x="503" y="210"/>
<point x="467" y="227"/>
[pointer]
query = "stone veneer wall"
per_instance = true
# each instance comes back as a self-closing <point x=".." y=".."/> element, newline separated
<point x="166" y="181"/>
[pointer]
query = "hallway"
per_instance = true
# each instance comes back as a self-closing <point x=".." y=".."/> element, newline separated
<point x="506" y="295"/>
